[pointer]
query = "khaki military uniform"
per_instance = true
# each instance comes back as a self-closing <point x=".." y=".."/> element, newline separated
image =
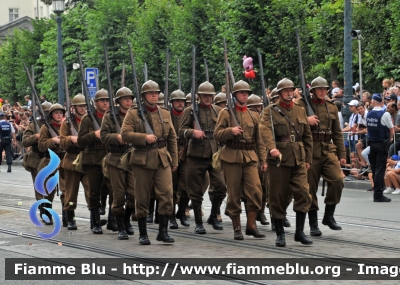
<point x="151" y="163"/>
<point x="45" y="143"/>
<point x="32" y="159"/>
<point x="122" y="181"/>
<point x="240" y="159"/>
<point x="328" y="146"/>
<point x="199" y="154"/>
<point x="296" y="150"/>
<point x="73" y="176"/>
<point x="92" y="157"/>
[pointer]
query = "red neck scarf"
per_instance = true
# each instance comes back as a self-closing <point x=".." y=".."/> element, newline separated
<point x="176" y="113"/>
<point x="55" y="124"/>
<point x="204" y="106"/>
<point x="151" y="110"/>
<point x="240" y="109"/>
<point x="99" y="115"/>
<point x="77" y="120"/>
<point x="286" y="106"/>
<point x="122" y="114"/>
<point x="318" y="101"/>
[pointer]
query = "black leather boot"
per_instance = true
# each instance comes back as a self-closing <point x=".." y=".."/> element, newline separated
<point x="103" y="201"/>
<point x="272" y="224"/>
<point x="149" y="218"/>
<point x="121" y="227"/>
<point x="71" y="221"/>
<point x="183" y="203"/>
<point x="286" y="223"/>
<point x="173" y="225"/>
<point x="280" y="233"/>
<point x="96" y="221"/>
<point x="237" y="228"/>
<point x="313" y="220"/>
<point x="9" y="168"/>
<point x="261" y="217"/>
<point x="198" y="219"/>
<point x="64" y="214"/>
<point x="162" y="230"/>
<point x="127" y="217"/>
<point x="299" y="234"/>
<point x="213" y="220"/>
<point x="156" y="215"/>
<point x="143" y="238"/>
<point x="112" y="221"/>
<point x="329" y="220"/>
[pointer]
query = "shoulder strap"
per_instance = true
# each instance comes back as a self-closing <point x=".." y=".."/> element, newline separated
<point x="287" y="119"/>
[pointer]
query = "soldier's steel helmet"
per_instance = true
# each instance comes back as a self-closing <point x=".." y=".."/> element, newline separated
<point x="46" y="106"/>
<point x="78" y="99"/>
<point x="319" y="82"/>
<point x="189" y="98"/>
<point x="206" y="88"/>
<point x="123" y="92"/>
<point x="56" y="107"/>
<point x="254" y="100"/>
<point x="101" y="94"/>
<point x="134" y="103"/>
<point x="149" y="86"/>
<point x="160" y="98"/>
<point x="220" y="98"/>
<point x="177" y="95"/>
<point x="285" y="84"/>
<point x="241" y="86"/>
<point x="274" y="92"/>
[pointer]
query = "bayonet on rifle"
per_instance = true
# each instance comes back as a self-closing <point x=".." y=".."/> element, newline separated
<point x="234" y="122"/>
<point x="68" y="116"/>
<point x="194" y="101"/>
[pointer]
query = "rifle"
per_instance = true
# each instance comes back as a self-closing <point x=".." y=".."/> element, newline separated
<point x="206" y="68"/>
<point x="231" y="75"/>
<point x="166" y="81"/>
<point x="147" y="128"/>
<point x="110" y="92"/>
<point x="179" y="74"/>
<point x="263" y="93"/>
<point x="51" y="130"/>
<point x="234" y="122"/>
<point x="122" y="75"/>
<point x="146" y="77"/>
<point x="35" y="123"/>
<point x="90" y="107"/>
<point x="306" y="95"/>
<point x="194" y="101"/>
<point x="68" y="102"/>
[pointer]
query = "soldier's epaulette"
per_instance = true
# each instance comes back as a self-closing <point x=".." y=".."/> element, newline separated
<point x="163" y="107"/>
<point x="297" y="103"/>
<point x="252" y="110"/>
<point x="84" y="116"/>
<point x="328" y="101"/>
<point x="133" y="107"/>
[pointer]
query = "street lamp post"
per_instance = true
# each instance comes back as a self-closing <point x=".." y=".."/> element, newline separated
<point x="356" y="34"/>
<point x="58" y="8"/>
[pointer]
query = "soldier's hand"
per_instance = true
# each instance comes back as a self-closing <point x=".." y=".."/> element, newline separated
<point x="313" y="120"/>
<point x="151" y="139"/>
<point x="263" y="167"/>
<point x="342" y="161"/>
<point x="97" y="134"/>
<point x="237" y="130"/>
<point x="119" y="138"/>
<point x="308" y="166"/>
<point x="174" y="168"/>
<point x="56" y="140"/>
<point x="74" y="139"/>
<point x="199" y="134"/>
<point x="37" y="136"/>
<point x="274" y="152"/>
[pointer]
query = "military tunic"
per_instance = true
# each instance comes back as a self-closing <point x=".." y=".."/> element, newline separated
<point x="122" y="181"/>
<point x="199" y="153"/>
<point x="326" y="153"/>
<point x="240" y="159"/>
<point x="73" y="176"/>
<point x="296" y="150"/>
<point x="92" y="158"/>
<point x="151" y="163"/>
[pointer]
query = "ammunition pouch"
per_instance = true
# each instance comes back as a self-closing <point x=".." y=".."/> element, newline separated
<point x="322" y="136"/>
<point x="241" y="144"/>
<point x="60" y="154"/>
<point x="74" y="149"/>
<point x="98" y="146"/>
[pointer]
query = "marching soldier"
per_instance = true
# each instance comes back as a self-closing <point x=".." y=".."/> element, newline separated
<point x="243" y="152"/>
<point x="220" y="100"/>
<point x="69" y="143"/>
<point x="122" y="181"/>
<point x="328" y="146"/>
<point x="46" y="142"/>
<point x="92" y="158"/>
<point x="152" y="159"/>
<point x="274" y="96"/>
<point x="255" y="103"/>
<point x="32" y="160"/>
<point x="201" y="147"/>
<point x="286" y="133"/>
<point x="180" y="195"/>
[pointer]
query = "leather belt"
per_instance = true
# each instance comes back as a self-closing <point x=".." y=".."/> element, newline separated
<point x="241" y="144"/>
<point x="74" y="149"/>
<point x="322" y="136"/>
<point x="291" y="138"/>
<point x="160" y="143"/>
<point x="60" y="154"/>
<point x="181" y="142"/>
<point x="97" y="146"/>
<point x="118" y="148"/>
